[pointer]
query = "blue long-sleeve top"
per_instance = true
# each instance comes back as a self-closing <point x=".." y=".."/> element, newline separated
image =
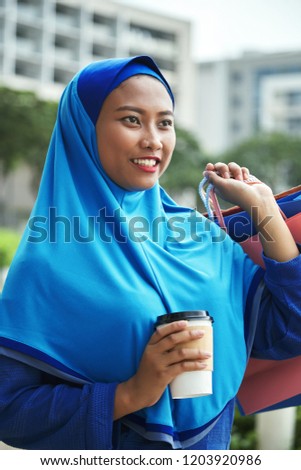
<point x="40" y="411"/>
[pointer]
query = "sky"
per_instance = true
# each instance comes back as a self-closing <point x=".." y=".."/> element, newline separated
<point x="227" y="28"/>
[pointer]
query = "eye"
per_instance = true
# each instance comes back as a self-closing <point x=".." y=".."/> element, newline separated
<point x="166" y="123"/>
<point x="131" y="119"/>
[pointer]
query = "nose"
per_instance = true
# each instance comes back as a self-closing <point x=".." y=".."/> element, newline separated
<point x="151" y="140"/>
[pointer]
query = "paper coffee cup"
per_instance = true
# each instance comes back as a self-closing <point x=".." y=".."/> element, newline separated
<point x="193" y="383"/>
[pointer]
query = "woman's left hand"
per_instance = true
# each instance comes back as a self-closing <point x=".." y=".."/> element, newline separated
<point x="229" y="182"/>
<point x="257" y="199"/>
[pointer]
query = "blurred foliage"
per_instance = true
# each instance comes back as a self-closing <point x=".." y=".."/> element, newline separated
<point x="243" y="435"/>
<point x="187" y="164"/>
<point x="9" y="241"/>
<point x="26" y="124"/>
<point x="274" y="158"/>
<point x="297" y="444"/>
<point x="15" y="126"/>
<point x="244" y="432"/>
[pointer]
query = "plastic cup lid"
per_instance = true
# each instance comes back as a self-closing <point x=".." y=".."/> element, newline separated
<point x="185" y="315"/>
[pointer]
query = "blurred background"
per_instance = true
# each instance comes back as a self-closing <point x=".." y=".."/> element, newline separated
<point x="235" y="68"/>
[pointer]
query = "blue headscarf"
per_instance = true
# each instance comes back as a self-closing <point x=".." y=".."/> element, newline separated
<point x="97" y="264"/>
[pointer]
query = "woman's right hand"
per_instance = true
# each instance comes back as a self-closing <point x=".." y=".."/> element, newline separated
<point x="164" y="357"/>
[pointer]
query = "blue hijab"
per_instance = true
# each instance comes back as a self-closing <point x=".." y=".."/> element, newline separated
<point x="97" y="264"/>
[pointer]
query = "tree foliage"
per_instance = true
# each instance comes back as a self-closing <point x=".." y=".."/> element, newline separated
<point x="274" y="158"/>
<point x="9" y="241"/>
<point x="187" y="164"/>
<point x="25" y="127"/>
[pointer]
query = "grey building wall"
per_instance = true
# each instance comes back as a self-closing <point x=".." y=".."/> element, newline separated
<point x="239" y="97"/>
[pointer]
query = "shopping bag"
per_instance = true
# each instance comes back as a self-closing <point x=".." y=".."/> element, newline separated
<point x="239" y="226"/>
<point x="267" y="384"/>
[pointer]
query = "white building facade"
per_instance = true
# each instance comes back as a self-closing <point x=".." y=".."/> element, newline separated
<point x="43" y="43"/>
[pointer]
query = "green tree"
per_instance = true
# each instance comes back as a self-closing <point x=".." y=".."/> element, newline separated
<point x="273" y="158"/>
<point x="25" y="127"/>
<point x="43" y="120"/>
<point x="187" y="164"/>
<point x="17" y="109"/>
<point x="9" y="241"/>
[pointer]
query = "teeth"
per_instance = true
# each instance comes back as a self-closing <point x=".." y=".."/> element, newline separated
<point x="145" y="161"/>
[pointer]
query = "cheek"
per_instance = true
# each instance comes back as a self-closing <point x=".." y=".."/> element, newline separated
<point x="167" y="160"/>
<point x="108" y="148"/>
<point x="170" y="146"/>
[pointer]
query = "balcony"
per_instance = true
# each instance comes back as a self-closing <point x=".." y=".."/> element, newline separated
<point x="101" y="51"/>
<point x="151" y="43"/>
<point x="66" y="48"/>
<point x="28" y="69"/>
<point x="28" y="41"/>
<point x="30" y="9"/>
<point x="26" y="46"/>
<point x="67" y="17"/>
<point x="62" y="75"/>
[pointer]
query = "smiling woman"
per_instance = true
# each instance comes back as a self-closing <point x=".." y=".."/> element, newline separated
<point x="82" y="365"/>
<point x="136" y="139"/>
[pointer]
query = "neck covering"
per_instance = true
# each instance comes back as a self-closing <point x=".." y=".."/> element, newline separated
<point x="97" y="264"/>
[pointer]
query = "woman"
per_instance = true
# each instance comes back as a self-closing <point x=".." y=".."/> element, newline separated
<point x="105" y="252"/>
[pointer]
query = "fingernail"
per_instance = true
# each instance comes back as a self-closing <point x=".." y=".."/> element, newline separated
<point x="202" y="365"/>
<point x="207" y="354"/>
<point x="197" y="332"/>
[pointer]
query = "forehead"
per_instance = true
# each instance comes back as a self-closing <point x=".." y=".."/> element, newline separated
<point x="143" y="88"/>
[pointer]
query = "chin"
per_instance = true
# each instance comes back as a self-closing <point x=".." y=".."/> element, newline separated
<point x="141" y="187"/>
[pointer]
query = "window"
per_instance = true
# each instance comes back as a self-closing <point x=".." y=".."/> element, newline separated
<point x="67" y="15"/>
<point x="235" y="127"/>
<point x="235" y="102"/>
<point x="236" y="77"/>
<point x="153" y="33"/>
<point x="294" y="125"/>
<point x="293" y="98"/>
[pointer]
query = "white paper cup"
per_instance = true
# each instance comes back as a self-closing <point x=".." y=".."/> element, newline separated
<point x="194" y="383"/>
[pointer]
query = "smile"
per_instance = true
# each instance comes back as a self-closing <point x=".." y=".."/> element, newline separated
<point x="149" y="162"/>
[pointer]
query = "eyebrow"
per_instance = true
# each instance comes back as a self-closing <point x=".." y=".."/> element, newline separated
<point x="142" y="111"/>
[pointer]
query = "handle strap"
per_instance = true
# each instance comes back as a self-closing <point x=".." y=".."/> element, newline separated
<point x="211" y="203"/>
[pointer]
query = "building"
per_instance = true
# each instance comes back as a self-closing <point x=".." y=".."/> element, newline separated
<point x="238" y="97"/>
<point x="43" y="43"/>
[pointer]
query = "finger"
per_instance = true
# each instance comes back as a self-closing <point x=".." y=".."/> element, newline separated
<point x="245" y="172"/>
<point x="167" y="330"/>
<point x="236" y="171"/>
<point x="187" y="355"/>
<point x="174" y="340"/>
<point x="186" y="366"/>
<point x="222" y="169"/>
<point x="210" y="167"/>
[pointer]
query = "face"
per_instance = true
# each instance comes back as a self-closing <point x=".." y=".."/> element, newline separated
<point x="135" y="133"/>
